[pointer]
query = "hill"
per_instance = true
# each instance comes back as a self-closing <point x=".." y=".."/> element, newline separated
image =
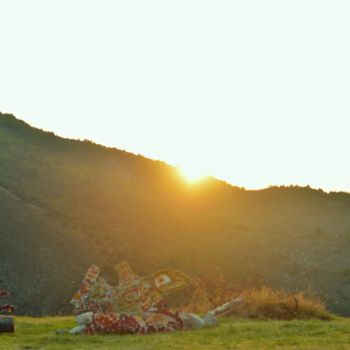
<point x="66" y="203"/>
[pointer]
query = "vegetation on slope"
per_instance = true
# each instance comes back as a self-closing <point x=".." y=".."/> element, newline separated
<point x="259" y="303"/>
<point x="65" y="204"/>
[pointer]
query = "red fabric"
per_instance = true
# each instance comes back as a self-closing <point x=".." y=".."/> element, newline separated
<point x="161" y="321"/>
<point x="113" y="323"/>
<point x="7" y="308"/>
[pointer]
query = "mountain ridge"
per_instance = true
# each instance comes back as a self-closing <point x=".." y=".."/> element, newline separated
<point x="102" y="205"/>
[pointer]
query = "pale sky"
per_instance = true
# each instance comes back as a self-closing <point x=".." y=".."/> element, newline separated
<point x="253" y="92"/>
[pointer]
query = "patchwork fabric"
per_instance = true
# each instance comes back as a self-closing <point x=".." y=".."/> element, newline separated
<point x="133" y="294"/>
<point x="114" y="323"/>
<point x="95" y="294"/>
<point x="134" y="324"/>
<point x="125" y="273"/>
<point x="136" y="305"/>
<point x="89" y="280"/>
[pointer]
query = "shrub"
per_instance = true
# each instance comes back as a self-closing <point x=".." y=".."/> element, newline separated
<point x="267" y="303"/>
<point x="259" y="303"/>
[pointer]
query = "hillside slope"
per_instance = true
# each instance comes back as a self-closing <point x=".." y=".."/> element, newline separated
<point x="65" y="204"/>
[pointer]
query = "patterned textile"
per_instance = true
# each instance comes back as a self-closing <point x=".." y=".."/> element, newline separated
<point x="89" y="280"/>
<point x="125" y="273"/>
<point x="95" y="294"/>
<point x="131" y="296"/>
<point x="136" y="304"/>
<point x="135" y="324"/>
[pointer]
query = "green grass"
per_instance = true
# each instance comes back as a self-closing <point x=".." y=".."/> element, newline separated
<point x="39" y="333"/>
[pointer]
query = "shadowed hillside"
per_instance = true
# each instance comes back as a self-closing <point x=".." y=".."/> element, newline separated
<point x="65" y="204"/>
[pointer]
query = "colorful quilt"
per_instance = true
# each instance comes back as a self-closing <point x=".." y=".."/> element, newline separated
<point x="134" y="324"/>
<point x="136" y="304"/>
<point x="133" y="295"/>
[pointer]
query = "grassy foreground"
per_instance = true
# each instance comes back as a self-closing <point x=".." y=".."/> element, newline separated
<point x="231" y="334"/>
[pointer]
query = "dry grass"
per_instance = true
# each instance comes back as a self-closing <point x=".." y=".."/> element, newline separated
<point x="259" y="303"/>
<point x="267" y="303"/>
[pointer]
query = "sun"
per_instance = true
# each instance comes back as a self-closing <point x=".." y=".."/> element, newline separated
<point x="192" y="174"/>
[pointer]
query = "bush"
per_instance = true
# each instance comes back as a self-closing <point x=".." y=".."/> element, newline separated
<point x="267" y="303"/>
<point x="259" y="303"/>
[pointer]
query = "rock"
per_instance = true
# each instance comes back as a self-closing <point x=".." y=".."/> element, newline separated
<point x="7" y="324"/>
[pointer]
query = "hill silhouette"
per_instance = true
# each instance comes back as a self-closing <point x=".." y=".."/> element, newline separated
<point x="65" y="204"/>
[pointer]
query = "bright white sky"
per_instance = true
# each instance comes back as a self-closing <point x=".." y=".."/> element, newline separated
<point x="252" y="92"/>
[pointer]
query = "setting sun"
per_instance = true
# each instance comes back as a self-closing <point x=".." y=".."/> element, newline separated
<point x="192" y="174"/>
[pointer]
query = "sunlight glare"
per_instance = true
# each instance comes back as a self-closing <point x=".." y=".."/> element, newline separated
<point x="192" y="174"/>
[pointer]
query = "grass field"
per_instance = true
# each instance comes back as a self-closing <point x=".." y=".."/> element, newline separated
<point x="231" y="334"/>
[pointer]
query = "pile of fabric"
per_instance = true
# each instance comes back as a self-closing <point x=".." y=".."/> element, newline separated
<point x="136" y="305"/>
